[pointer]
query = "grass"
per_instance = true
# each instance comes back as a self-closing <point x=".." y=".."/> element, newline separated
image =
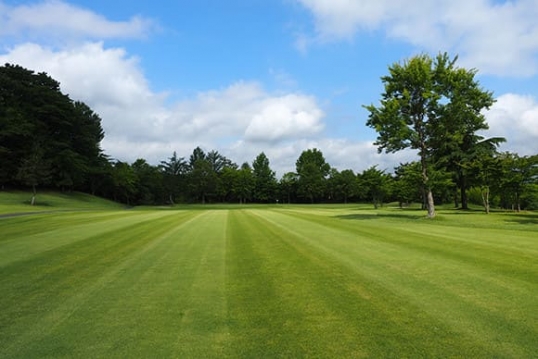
<point x="12" y="202"/>
<point x="275" y="281"/>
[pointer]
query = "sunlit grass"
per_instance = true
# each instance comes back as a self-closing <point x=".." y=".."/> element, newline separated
<point x="19" y="201"/>
<point x="269" y="281"/>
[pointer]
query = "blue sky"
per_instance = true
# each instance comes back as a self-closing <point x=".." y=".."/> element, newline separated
<point x="279" y="76"/>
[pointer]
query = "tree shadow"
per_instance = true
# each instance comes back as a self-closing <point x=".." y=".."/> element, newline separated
<point x="523" y="218"/>
<point x="405" y="214"/>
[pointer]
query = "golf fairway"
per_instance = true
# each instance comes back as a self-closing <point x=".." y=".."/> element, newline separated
<point x="267" y="282"/>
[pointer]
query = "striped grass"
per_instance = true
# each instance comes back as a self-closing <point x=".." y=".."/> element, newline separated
<point x="279" y="281"/>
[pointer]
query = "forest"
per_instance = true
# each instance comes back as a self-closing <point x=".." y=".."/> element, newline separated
<point x="50" y="141"/>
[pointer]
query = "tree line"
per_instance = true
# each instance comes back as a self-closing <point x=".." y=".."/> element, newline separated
<point x="47" y="140"/>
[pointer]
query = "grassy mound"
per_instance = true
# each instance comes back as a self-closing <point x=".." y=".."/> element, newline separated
<point x="19" y="202"/>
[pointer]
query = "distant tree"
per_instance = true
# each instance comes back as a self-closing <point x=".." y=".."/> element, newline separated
<point x="197" y="155"/>
<point x="174" y="171"/>
<point x="264" y="179"/>
<point x="425" y="100"/>
<point x="218" y="162"/>
<point x="125" y="182"/>
<point x="407" y="186"/>
<point x="312" y="171"/>
<point x="34" y="170"/>
<point x="244" y="184"/>
<point x="149" y="180"/>
<point x="202" y="179"/>
<point x="376" y="184"/>
<point x="519" y="175"/>
<point x="347" y="184"/>
<point x="288" y="185"/>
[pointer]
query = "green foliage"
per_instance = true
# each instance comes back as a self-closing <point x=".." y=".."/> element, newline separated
<point x="312" y="171"/>
<point x="46" y="138"/>
<point x="434" y="107"/>
<point x="519" y="175"/>
<point x="264" y="179"/>
<point x="343" y="184"/>
<point x="375" y="184"/>
<point x="288" y="186"/>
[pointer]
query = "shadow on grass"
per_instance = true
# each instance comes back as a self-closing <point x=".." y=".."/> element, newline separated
<point x="523" y="218"/>
<point x="403" y="214"/>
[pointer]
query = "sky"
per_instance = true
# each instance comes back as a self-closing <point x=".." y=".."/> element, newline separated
<point x="275" y="76"/>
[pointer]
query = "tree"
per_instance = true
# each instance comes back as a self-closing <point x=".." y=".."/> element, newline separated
<point x="218" y="162"/>
<point x="343" y="184"/>
<point x="197" y="155"/>
<point x="288" y="185"/>
<point x="424" y="98"/>
<point x="520" y="174"/>
<point x="34" y="113"/>
<point x="376" y="184"/>
<point x="312" y="171"/>
<point x="244" y="184"/>
<point x="174" y="171"/>
<point x="149" y="180"/>
<point x="34" y="170"/>
<point x="407" y="183"/>
<point x="456" y="143"/>
<point x="486" y="169"/>
<point x="124" y="181"/>
<point x="264" y="179"/>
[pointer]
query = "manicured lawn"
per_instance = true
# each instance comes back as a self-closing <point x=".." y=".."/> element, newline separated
<point x="19" y="202"/>
<point x="278" y="281"/>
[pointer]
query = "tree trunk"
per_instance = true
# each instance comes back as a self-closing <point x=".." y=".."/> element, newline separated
<point x="463" y="193"/>
<point x="431" y="205"/>
<point x="456" y="202"/>
<point x="485" y="199"/>
<point x="34" y="192"/>
<point x="464" y="202"/>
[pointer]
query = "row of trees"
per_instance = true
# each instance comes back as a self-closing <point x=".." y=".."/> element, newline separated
<point x="507" y="181"/>
<point x="49" y="140"/>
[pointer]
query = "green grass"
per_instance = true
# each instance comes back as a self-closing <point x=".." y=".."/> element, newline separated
<point x="269" y="281"/>
<point x="19" y="202"/>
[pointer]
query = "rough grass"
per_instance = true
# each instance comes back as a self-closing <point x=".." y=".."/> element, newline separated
<point x="279" y="281"/>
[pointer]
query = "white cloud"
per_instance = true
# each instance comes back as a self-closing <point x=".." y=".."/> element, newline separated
<point x="58" y="19"/>
<point x="285" y="117"/>
<point x="496" y="38"/>
<point x="515" y="117"/>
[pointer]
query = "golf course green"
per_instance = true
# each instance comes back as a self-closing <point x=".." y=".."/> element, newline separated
<point x="288" y="281"/>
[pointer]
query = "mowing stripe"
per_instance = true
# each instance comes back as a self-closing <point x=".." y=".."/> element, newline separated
<point x="296" y="301"/>
<point x="258" y="282"/>
<point x="477" y="314"/>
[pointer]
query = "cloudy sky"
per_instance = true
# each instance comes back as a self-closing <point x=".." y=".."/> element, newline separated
<point x="278" y="76"/>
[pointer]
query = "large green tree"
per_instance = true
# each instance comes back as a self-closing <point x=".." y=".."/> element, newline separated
<point x="425" y="98"/>
<point x="456" y="143"/>
<point x="38" y="121"/>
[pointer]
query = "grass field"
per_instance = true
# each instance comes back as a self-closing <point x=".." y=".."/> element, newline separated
<point x="280" y="281"/>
